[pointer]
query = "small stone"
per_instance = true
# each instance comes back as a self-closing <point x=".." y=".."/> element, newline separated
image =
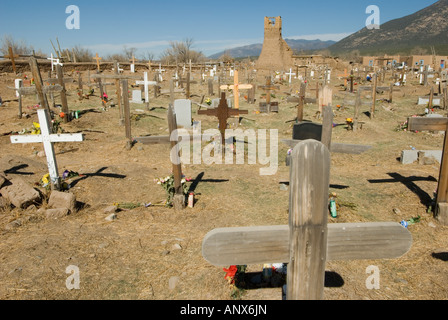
<point x="111" y="217"/>
<point x="13" y="224"/>
<point x="432" y="224"/>
<point x="56" y="213"/>
<point x="110" y="210"/>
<point x="62" y="200"/>
<point x="283" y="187"/>
<point x="176" y="246"/>
<point x="41" y="154"/>
<point x="397" y="211"/>
<point x="172" y="283"/>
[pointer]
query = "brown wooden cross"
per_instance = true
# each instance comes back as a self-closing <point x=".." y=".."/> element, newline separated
<point x="12" y="56"/>
<point x="97" y="58"/>
<point x="179" y="197"/>
<point x="437" y="124"/>
<point x="345" y="77"/>
<point x="223" y="112"/>
<point x="268" y="87"/>
<point x="236" y="87"/>
<point x="308" y="241"/>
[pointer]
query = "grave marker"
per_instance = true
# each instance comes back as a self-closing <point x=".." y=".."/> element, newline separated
<point x="182" y="109"/>
<point x="12" y="57"/>
<point x="236" y="87"/>
<point x="48" y="139"/>
<point x="179" y="197"/>
<point x="269" y="106"/>
<point x="223" y="112"/>
<point x="308" y="241"/>
<point x="97" y="58"/>
<point x="146" y="83"/>
<point x="437" y="124"/>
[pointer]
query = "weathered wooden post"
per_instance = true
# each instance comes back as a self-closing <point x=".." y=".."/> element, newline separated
<point x="127" y="113"/>
<point x="39" y="84"/>
<point x="308" y="203"/>
<point x="372" y="109"/>
<point x="64" y="102"/>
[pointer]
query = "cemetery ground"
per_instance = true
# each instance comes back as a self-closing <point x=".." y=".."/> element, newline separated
<point x="154" y="253"/>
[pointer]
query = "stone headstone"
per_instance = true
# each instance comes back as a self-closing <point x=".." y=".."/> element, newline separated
<point x="182" y="109"/>
<point x="137" y="96"/>
<point x="19" y="193"/>
<point x="215" y="103"/>
<point x="307" y="130"/>
<point x="425" y="101"/>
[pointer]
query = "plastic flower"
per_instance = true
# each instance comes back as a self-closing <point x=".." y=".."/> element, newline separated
<point x="230" y="273"/>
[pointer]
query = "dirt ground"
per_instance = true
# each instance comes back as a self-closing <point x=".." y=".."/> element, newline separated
<point x="154" y="253"/>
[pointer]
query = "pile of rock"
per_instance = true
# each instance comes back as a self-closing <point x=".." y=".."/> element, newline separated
<point x="18" y="193"/>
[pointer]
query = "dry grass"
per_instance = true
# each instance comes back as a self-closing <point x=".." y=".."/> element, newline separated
<point x="135" y="256"/>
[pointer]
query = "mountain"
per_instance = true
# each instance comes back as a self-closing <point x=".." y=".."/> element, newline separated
<point x="255" y="49"/>
<point x="425" y="28"/>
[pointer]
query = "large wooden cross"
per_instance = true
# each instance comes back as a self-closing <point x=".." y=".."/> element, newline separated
<point x="223" y="112"/>
<point x="437" y="124"/>
<point x="236" y="87"/>
<point x="179" y="197"/>
<point x="48" y="139"/>
<point x="97" y="58"/>
<point x="308" y="241"/>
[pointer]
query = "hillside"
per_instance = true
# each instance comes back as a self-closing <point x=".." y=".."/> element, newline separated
<point x="255" y="49"/>
<point x="425" y="28"/>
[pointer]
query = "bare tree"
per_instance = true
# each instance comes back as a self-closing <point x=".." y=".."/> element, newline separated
<point x="181" y="52"/>
<point x="21" y="47"/>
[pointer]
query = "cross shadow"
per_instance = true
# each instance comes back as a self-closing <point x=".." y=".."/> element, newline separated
<point x="98" y="173"/>
<point x="425" y="198"/>
<point x="332" y="186"/>
<point x="255" y="280"/>
<point x="14" y="170"/>
<point x="440" y="255"/>
<point x="198" y="179"/>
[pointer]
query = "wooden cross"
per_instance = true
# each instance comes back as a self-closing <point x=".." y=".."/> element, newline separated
<point x="12" y="57"/>
<point x="179" y="197"/>
<point x="268" y="87"/>
<point x="146" y="83"/>
<point x="97" y="58"/>
<point x="48" y="139"/>
<point x="236" y="87"/>
<point x="308" y="241"/>
<point x="188" y="81"/>
<point x="437" y="124"/>
<point x="223" y="112"/>
<point x="345" y="77"/>
<point x="38" y="82"/>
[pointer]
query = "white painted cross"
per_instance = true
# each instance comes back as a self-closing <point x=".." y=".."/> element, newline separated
<point x="118" y="68"/>
<point x="290" y="74"/>
<point x="146" y="83"/>
<point x="160" y="72"/>
<point x="54" y="62"/>
<point x="48" y="139"/>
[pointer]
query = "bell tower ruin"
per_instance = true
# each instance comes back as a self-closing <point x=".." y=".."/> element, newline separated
<point x="276" y="55"/>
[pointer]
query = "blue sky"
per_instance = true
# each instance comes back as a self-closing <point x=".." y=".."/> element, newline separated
<point x="107" y="26"/>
